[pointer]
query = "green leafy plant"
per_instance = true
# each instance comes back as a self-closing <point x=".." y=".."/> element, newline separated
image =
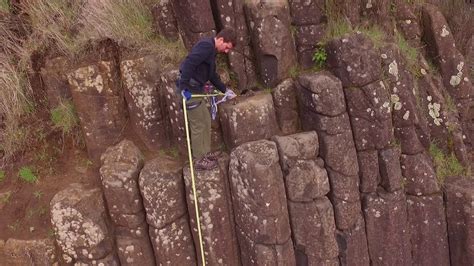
<point x="320" y="56"/>
<point x="27" y="174"/>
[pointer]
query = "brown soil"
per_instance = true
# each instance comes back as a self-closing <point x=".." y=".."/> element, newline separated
<point x="25" y="212"/>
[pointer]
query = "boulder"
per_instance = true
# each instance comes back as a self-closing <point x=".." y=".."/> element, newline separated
<point x="286" y="107"/>
<point x="78" y="217"/>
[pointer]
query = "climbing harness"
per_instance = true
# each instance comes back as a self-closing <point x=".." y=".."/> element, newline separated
<point x="191" y="167"/>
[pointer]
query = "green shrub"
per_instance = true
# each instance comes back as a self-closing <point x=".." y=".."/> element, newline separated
<point x="64" y="117"/>
<point x="320" y="56"/>
<point x="27" y="174"/>
<point x="445" y="164"/>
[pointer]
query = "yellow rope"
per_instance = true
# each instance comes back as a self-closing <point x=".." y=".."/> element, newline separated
<point x="191" y="166"/>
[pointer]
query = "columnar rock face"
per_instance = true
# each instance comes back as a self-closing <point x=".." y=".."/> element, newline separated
<point x="459" y="212"/>
<point x="164" y="20"/>
<point x="259" y="201"/>
<point x="79" y="221"/>
<point x="27" y="252"/>
<point x="286" y="107"/>
<point x="231" y="14"/>
<point x="269" y="25"/>
<point x="121" y="165"/>
<point x="387" y="227"/>
<point x="323" y="109"/>
<point x="248" y="119"/>
<point x="145" y="103"/>
<point x="173" y="105"/>
<point x="216" y="215"/>
<point x="195" y="20"/>
<point x="308" y="19"/>
<point x="55" y="81"/>
<point x="311" y="213"/>
<point x="423" y="193"/>
<point x="407" y="22"/>
<point x="452" y="64"/>
<point x="162" y="188"/>
<point x="98" y="97"/>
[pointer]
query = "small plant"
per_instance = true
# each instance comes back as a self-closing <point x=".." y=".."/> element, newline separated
<point x="64" y="117"/>
<point x="2" y="175"/>
<point x="320" y="56"/>
<point x="294" y="72"/>
<point x="38" y="194"/>
<point x="27" y="174"/>
<point x="411" y="55"/>
<point x="5" y="197"/>
<point x="445" y="164"/>
<point x="375" y="34"/>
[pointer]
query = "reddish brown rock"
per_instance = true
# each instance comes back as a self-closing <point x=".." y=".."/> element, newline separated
<point x="459" y="215"/>
<point x="369" y="170"/>
<point x="429" y="236"/>
<point x="164" y="20"/>
<point x="300" y="146"/>
<point x="390" y="170"/>
<point x="28" y="252"/>
<point x="387" y="228"/>
<point x="419" y="175"/>
<point x="353" y="245"/>
<point x="55" y="81"/>
<point x="354" y="60"/>
<point x="195" y="20"/>
<point x="307" y="38"/>
<point x="339" y="153"/>
<point x="410" y="143"/>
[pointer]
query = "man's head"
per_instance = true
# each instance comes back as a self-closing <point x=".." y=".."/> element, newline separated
<point x="225" y="40"/>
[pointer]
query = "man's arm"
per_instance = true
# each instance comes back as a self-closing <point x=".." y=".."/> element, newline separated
<point x="216" y="81"/>
<point x="198" y="54"/>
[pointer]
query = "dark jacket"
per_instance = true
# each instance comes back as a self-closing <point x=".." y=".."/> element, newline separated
<point x="199" y="67"/>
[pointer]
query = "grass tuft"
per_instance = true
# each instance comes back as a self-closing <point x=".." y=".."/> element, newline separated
<point x="2" y="175"/>
<point x="411" y="55"/>
<point x="64" y="117"/>
<point x="445" y="164"/>
<point x="4" y="6"/>
<point x="375" y="33"/>
<point x="27" y="174"/>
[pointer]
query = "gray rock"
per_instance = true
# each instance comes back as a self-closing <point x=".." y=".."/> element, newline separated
<point x="215" y="215"/>
<point x="78" y="219"/>
<point x="300" y="146"/>
<point x="256" y="114"/>
<point x="286" y="107"/>
<point x="145" y="102"/>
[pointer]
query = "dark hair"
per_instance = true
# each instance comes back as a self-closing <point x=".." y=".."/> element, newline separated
<point x="228" y="35"/>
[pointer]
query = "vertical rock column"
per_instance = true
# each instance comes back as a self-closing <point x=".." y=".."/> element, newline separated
<point x="355" y="59"/>
<point x="269" y="26"/>
<point x="55" y="81"/>
<point x="460" y="216"/>
<point x="231" y="15"/>
<point x="173" y="109"/>
<point x="426" y="217"/>
<point x="195" y="20"/>
<point x="260" y="206"/>
<point x="79" y="221"/>
<point x="162" y="188"/>
<point x="311" y="212"/>
<point x="452" y="65"/>
<point x="323" y="109"/>
<point x="307" y="17"/>
<point x="121" y="165"/>
<point x="144" y="100"/>
<point x="216" y="215"/>
<point x="164" y="20"/>
<point x="98" y="97"/>
<point x="286" y="107"/>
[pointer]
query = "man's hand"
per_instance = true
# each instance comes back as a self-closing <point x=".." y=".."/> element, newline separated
<point x="230" y="94"/>
<point x="186" y="94"/>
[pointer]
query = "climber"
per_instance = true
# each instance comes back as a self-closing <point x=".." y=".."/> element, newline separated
<point x="197" y="68"/>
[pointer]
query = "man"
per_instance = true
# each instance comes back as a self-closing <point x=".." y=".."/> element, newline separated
<point x="196" y="69"/>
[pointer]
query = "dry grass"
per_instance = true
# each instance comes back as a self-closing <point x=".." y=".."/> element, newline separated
<point x="14" y="105"/>
<point x="4" y="6"/>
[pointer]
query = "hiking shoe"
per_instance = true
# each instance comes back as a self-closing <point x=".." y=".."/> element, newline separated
<point x="205" y="164"/>
<point x="213" y="155"/>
